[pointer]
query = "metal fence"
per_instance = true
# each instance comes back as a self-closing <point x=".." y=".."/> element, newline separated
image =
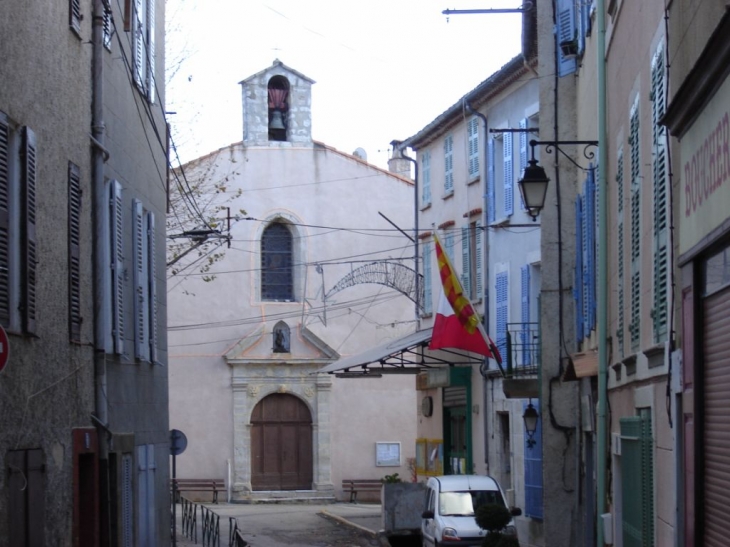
<point x="209" y="526"/>
<point x="523" y="349"/>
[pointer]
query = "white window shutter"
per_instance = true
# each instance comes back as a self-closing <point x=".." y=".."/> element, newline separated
<point x="473" y="132"/>
<point x="140" y="65"/>
<point x="523" y="155"/>
<point x="479" y="258"/>
<point x="152" y="274"/>
<point x="150" y="25"/>
<point x="141" y="284"/>
<point x="427" y="280"/>
<point x="142" y="498"/>
<point x="466" y="263"/>
<point x="117" y="264"/>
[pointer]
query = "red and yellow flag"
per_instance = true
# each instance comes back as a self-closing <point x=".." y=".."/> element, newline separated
<point x="463" y="309"/>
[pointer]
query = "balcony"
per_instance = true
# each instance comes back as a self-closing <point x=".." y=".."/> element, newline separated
<point x="522" y="361"/>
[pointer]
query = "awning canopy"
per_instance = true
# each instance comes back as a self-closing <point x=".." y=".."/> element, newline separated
<point x="581" y="365"/>
<point x="406" y="355"/>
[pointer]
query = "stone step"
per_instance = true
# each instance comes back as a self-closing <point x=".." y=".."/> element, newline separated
<point x="286" y="496"/>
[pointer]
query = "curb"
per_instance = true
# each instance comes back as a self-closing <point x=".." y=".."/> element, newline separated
<point x="342" y="520"/>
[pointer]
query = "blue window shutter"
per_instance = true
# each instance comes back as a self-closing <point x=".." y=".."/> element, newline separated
<point x="449" y="245"/>
<point x="525" y="336"/>
<point x="502" y="290"/>
<point x="523" y="155"/>
<point x="466" y="262"/>
<point x="152" y="274"/>
<point x="509" y="175"/>
<point x="589" y="244"/>
<point x="142" y="497"/>
<point x="578" y="276"/>
<point x="533" y="470"/>
<point x="586" y="259"/>
<point x="141" y="284"/>
<point x="479" y="258"/>
<point x="566" y="32"/>
<point x="427" y="280"/>
<point x="491" y="195"/>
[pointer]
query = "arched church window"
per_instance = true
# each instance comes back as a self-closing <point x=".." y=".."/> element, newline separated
<point x="277" y="276"/>
<point x="278" y="108"/>
<point x="281" y="338"/>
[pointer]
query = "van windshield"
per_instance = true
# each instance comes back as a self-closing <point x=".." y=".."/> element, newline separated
<point x="463" y="504"/>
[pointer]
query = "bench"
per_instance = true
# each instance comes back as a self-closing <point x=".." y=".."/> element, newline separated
<point x="198" y="485"/>
<point x="353" y="486"/>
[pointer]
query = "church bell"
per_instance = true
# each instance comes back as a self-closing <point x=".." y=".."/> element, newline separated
<point x="277" y="122"/>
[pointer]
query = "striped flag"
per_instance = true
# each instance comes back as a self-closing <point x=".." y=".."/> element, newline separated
<point x="457" y="323"/>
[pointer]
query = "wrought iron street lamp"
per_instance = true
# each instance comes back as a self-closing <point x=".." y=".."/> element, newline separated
<point x="530" y="417"/>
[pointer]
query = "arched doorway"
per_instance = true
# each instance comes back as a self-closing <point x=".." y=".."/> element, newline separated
<point x="281" y="444"/>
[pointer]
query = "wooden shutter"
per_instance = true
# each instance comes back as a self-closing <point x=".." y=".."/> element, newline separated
<point x="502" y="290"/>
<point x="533" y="470"/>
<point x="525" y="335"/>
<point x="661" y="183"/>
<point x="427" y="280"/>
<point x="473" y="143"/>
<point x="635" y="326"/>
<point x="139" y="23"/>
<point x="150" y="50"/>
<point x="26" y="496"/>
<point x="637" y="480"/>
<point x="479" y="258"/>
<point x="74" y="15"/>
<point x="127" y="493"/>
<point x="152" y="295"/>
<point x="578" y="274"/>
<point x="448" y="164"/>
<point x="4" y="220"/>
<point x="74" y="252"/>
<point x="491" y="197"/>
<point x="146" y="492"/>
<point x="565" y="33"/>
<point x="509" y="174"/>
<point x="620" y="251"/>
<point x="30" y="249"/>
<point x="589" y="249"/>
<point x="523" y="154"/>
<point x="141" y="283"/>
<point x="116" y="230"/>
<point x="426" y="179"/>
<point x="466" y="262"/>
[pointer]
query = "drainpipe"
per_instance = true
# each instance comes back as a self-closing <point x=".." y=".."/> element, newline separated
<point x="98" y="157"/>
<point x="415" y="229"/>
<point x="602" y="270"/>
<point x="486" y="272"/>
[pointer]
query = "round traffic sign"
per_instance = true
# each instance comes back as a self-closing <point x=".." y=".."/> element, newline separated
<point x="4" y="348"/>
<point x="178" y="442"/>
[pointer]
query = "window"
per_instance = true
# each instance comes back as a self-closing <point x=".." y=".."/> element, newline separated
<point x="26" y="494"/>
<point x="74" y="253"/>
<point x="74" y="16"/>
<point x="635" y="295"/>
<point x="146" y="521"/>
<point x="471" y="260"/>
<point x="502" y="289"/>
<point x="18" y="253"/>
<point x="491" y="178"/>
<point x="620" y="252"/>
<point x="116" y="247"/>
<point x="426" y="179"/>
<point x="145" y="301"/>
<point x="509" y="173"/>
<point x="449" y="165"/>
<point x="277" y="277"/>
<point x="567" y="38"/>
<point x="143" y="28"/>
<point x="473" y="144"/>
<point x="661" y="184"/>
<point x="427" y="280"/>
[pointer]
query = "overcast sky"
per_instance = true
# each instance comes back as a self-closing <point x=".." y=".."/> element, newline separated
<point x="383" y="68"/>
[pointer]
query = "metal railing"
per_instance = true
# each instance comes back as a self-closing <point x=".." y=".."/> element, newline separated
<point x="523" y="349"/>
<point x="209" y="526"/>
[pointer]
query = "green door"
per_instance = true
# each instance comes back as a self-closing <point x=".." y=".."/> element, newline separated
<point x="457" y="423"/>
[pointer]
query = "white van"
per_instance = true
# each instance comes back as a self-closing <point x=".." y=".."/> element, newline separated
<point x="450" y="504"/>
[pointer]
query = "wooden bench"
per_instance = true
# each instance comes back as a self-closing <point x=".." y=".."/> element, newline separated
<point x="353" y="486"/>
<point x="198" y="485"/>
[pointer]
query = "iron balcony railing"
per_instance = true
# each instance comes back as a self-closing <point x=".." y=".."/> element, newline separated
<point x="523" y="349"/>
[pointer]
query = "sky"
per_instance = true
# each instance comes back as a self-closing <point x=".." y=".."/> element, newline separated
<point x="383" y="69"/>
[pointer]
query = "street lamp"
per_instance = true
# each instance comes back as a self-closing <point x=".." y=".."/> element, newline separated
<point x="530" y="417"/>
<point x="534" y="182"/>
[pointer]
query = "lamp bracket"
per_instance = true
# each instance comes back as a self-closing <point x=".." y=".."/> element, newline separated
<point x="549" y="145"/>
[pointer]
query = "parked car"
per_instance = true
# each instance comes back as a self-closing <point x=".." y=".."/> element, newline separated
<point x="451" y="501"/>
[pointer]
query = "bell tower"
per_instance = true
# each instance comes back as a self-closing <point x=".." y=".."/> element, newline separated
<point x="277" y="108"/>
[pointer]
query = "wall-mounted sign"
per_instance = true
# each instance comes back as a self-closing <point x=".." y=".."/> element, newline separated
<point x="387" y="454"/>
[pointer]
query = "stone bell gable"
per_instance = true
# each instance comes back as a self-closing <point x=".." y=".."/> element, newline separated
<point x="277" y="108"/>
